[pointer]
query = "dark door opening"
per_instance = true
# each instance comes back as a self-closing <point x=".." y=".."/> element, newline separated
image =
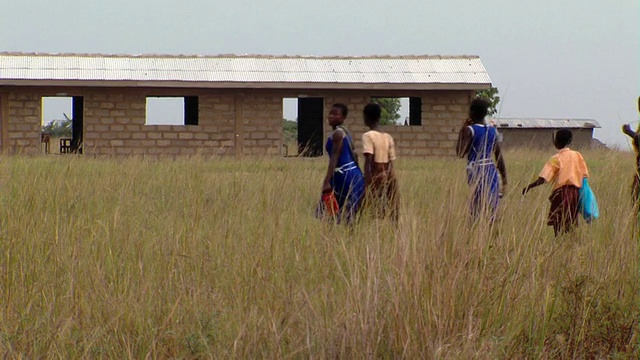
<point x="77" y="124"/>
<point x="310" y="126"/>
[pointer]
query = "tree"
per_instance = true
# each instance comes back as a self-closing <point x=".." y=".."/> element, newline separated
<point x="290" y="131"/>
<point x="59" y="128"/>
<point x="491" y="95"/>
<point x="390" y="110"/>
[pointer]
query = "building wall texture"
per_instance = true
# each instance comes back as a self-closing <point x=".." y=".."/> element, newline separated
<point x="231" y="122"/>
<point x="542" y="138"/>
<point x="443" y="112"/>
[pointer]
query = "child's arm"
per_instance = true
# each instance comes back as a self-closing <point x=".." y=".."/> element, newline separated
<point x="367" y="151"/>
<point x="497" y="152"/>
<point x="335" y="152"/>
<point x="464" y="140"/>
<point x="536" y="183"/>
<point x="549" y="174"/>
<point x="392" y="154"/>
<point x="626" y="129"/>
<point x="368" y="162"/>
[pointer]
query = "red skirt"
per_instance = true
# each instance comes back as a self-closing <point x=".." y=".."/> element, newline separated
<point x="564" y="211"/>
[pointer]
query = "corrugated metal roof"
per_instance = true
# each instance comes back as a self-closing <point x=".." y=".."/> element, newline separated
<point x="403" y="70"/>
<point x="533" y="123"/>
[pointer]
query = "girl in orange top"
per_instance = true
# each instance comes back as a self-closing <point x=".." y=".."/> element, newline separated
<point x="379" y="153"/>
<point x="566" y="171"/>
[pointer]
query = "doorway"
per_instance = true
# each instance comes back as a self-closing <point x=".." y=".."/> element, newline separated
<point x="310" y="126"/>
<point x="62" y="122"/>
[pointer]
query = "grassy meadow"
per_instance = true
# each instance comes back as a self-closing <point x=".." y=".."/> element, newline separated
<point x="222" y="258"/>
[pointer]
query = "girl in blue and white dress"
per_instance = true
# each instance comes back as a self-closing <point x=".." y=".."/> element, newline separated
<point x="478" y="142"/>
<point x="344" y="177"/>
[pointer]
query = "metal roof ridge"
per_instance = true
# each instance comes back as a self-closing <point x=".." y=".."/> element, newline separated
<point x="242" y="56"/>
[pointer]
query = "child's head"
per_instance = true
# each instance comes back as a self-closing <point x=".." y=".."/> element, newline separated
<point x="562" y="138"/>
<point x="337" y="114"/>
<point x="372" y="113"/>
<point x="478" y="109"/>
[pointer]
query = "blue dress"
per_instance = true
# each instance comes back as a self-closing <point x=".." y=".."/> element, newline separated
<point x="347" y="181"/>
<point x="482" y="174"/>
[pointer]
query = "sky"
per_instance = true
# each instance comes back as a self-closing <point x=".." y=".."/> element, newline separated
<point x="548" y="58"/>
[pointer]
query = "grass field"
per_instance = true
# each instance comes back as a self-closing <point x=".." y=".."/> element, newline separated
<point x="127" y="258"/>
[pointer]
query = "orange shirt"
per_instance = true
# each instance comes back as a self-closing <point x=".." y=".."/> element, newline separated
<point x="566" y="167"/>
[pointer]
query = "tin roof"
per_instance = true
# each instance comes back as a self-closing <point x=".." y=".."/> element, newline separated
<point x="375" y="72"/>
<point x="534" y="123"/>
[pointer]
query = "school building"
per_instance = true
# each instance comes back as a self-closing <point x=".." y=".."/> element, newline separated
<point x="231" y="105"/>
<point x="538" y="133"/>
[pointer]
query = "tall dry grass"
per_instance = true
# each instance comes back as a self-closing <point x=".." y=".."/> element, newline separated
<point x="223" y="258"/>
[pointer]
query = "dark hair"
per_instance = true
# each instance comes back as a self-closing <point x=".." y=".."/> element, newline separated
<point x="478" y="109"/>
<point x="343" y="108"/>
<point x="372" y="112"/>
<point x="562" y="138"/>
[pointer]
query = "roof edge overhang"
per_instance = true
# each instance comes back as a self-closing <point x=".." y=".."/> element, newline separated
<point x="243" y="85"/>
<point x="236" y="56"/>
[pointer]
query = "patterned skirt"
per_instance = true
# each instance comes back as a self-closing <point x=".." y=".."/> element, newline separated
<point x="564" y="210"/>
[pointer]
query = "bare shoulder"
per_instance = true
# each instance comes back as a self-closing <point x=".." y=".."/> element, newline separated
<point x="467" y="131"/>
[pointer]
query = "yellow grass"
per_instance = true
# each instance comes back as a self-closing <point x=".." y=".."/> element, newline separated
<point x="223" y="258"/>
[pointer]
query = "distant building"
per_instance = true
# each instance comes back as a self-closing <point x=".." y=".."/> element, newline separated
<point x="538" y="133"/>
<point x="231" y="104"/>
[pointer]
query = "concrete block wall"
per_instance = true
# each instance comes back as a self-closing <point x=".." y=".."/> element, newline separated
<point x="115" y="125"/>
<point x="443" y="113"/>
<point x="230" y="122"/>
<point x="262" y="124"/>
<point x="541" y="138"/>
<point x="114" y="122"/>
<point x="24" y="122"/>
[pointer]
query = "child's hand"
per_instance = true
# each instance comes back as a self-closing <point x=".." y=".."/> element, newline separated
<point x="326" y="187"/>
<point x="626" y="128"/>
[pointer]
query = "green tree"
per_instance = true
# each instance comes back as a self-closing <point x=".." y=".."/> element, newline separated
<point x="59" y="128"/>
<point x="290" y="131"/>
<point x="492" y="96"/>
<point x="390" y="110"/>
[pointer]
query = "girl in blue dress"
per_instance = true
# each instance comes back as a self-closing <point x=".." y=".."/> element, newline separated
<point x="343" y="177"/>
<point x="478" y="142"/>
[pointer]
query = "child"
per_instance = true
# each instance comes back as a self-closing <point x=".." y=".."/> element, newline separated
<point x="478" y="142"/>
<point x="379" y="154"/>
<point x="566" y="171"/>
<point x="343" y="177"/>
<point x="635" y="137"/>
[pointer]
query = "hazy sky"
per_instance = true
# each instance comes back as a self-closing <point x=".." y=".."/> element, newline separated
<point x="567" y="58"/>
